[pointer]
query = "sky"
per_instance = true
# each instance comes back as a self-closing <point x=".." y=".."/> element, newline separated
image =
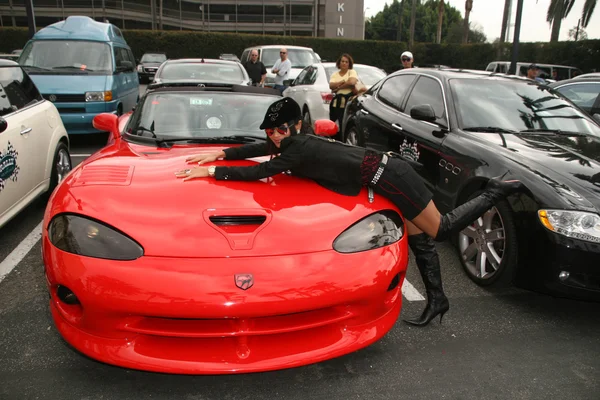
<point x="487" y="14"/>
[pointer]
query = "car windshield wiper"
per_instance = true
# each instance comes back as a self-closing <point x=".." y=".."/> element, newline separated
<point x="491" y="129"/>
<point x="71" y="67"/>
<point x="553" y="131"/>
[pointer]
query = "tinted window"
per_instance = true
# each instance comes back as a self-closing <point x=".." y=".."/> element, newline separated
<point x="299" y="58"/>
<point x="155" y="58"/>
<point x="582" y="94"/>
<point x="202" y="71"/>
<point x="200" y="114"/>
<point x="393" y="90"/>
<point x="17" y="91"/>
<point x="67" y="55"/>
<point x="311" y="76"/>
<point x="427" y="91"/>
<point x="516" y="106"/>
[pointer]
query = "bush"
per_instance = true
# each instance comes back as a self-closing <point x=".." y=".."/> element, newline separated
<point x="384" y="54"/>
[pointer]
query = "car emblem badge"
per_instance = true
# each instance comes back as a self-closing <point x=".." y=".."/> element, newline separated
<point x="52" y="98"/>
<point x="244" y="281"/>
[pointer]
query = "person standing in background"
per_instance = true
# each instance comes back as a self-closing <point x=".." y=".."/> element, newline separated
<point x="281" y="70"/>
<point x="256" y="69"/>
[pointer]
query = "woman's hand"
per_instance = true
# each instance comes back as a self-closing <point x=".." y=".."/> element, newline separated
<point x="204" y="158"/>
<point x="196" y="172"/>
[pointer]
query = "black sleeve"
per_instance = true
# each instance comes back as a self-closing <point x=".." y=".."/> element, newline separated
<point x="289" y="159"/>
<point x="263" y="69"/>
<point x="246" y="151"/>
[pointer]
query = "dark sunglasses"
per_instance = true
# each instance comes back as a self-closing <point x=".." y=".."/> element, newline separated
<point x="282" y="130"/>
<point x="406" y="59"/>
<point x="282" y="52"/>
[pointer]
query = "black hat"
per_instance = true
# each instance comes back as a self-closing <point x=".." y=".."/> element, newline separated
<point x="280" y="112"/>
<point x="533" y="66"/>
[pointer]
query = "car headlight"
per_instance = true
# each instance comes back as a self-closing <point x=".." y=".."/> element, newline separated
<point x="376" y="230"/>
<point x="98" y="96"/>
<point x="86" y="237"/>
<point x="140" y="68"/>
<point x="575" y="224"/>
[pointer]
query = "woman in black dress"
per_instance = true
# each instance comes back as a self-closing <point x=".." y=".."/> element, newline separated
<point x="345" y="169"/>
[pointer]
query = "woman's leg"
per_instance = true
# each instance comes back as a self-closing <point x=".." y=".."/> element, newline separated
<point x="440" y="227"/>
<point x="428" y="262"/>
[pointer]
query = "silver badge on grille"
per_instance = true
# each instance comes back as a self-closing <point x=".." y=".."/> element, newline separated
<point x="52" y="98"/>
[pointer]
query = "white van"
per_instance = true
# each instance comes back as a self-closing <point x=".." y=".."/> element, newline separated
<point x="300" y="57"/>
<point x="563" y="71"/>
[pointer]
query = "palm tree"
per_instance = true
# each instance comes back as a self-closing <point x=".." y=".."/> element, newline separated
<point x="557" y="11"/>
<point x="441" y="9"/>
<point x="588" y="10"/>
<point x="468" y="8"/>
<point x="413" y="16"/>
<point x="503" y="36"/>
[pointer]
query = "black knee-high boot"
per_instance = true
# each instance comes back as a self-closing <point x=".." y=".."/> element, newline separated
<point x="464" y="215"/>
<point x="428" y="261"/>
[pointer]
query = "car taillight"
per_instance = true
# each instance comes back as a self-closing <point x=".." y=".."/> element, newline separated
<point x="327" y="97"/>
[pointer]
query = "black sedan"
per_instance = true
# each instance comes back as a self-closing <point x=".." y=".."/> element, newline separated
<point x="461" y="128"/>
<point x="583" y="91"/>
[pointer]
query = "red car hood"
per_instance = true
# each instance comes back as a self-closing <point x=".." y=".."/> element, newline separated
<point x="133" y="188"/>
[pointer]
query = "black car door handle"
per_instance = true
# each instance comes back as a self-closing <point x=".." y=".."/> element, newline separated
<point x="396" y="126"/>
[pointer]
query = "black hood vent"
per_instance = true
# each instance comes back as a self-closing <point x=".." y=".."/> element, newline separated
<point x="238" y="220"/>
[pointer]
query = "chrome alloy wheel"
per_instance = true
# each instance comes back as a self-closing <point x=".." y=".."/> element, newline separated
<point x="63" y="165"/>
<point x="483" y="244"/>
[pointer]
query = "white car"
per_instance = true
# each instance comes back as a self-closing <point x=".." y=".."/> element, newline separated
<point x="311" y="88"/>
<point x="34" y="145"/>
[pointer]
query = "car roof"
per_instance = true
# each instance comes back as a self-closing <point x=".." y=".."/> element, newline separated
<point x="201" y="61"/>
<point x="450" y="73"/>
<point x="588" y="75"/>
<point x="278" y="46"/>
<point x="572" y="81"/>
<point x="81" y="28"/>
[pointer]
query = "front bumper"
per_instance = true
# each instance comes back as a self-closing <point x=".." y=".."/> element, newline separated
<point x="187" y="316"/>
<point x="77" y="117"/>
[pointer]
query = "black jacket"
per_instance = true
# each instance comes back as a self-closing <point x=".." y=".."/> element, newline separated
<point x="332" y="164"/>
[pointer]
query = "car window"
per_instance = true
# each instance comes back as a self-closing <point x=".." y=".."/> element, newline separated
<point x="300" y="58"/>
<point x="516" y="106"/>
<point x="301" y="76"/>
<point x="67" y="55"/>
<point x="154" y="58"/>
<point x="17" y="90"/>
<point x="584" y="95"/>
<point x="311" y="76"/>
<point x="491" y="67"/>
<point x="369" y="75"/>
<point x="427" y="91"/>
<point x="393" y="90"/>
<point x="502" y="68"/>
<point x="207" y="72"/>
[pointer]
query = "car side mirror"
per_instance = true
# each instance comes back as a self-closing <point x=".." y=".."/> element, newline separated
<point x="595" y="116"/>
<point x="126" y="66"/>
<point x="325" y="127"/>
<point x="3" y="125"/>
<point x="107" y="122"/>
<point x="423" y="112"/>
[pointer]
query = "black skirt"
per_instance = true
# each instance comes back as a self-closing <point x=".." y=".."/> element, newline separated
<point x="404" y="187"/>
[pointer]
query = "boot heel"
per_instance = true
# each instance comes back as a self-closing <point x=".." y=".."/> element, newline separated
<point x="442" y="316"/>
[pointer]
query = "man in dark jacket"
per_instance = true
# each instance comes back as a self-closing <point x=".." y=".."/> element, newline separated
<point x="256" y="69"/>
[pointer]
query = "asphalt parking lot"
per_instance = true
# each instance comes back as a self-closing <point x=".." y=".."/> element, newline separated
<point x="493" y="344"/>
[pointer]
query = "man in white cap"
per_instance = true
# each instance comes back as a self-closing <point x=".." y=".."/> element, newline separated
<point x="407" y="59"/>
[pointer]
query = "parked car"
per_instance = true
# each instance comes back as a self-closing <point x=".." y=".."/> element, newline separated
<point x="34" y="145"/>
<point x="311" y="88"/>
<point x="584" y="92"/>
<point x="212" y="287"/>
<point x="460" y="128"/>
<point x="546" y="70"/>
<point x="202" y="71"/>
<point x="299" y="56"/>
<point x="228" y="56"/>
<point x="85" y="68"/>
<point x="148" y="65"/>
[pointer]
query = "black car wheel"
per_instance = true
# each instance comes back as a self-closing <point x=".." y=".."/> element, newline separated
<point x="489" y="248"/>
<point x="354" y="137"/>
<point x="61" y="166"/>
<point x="306" y="121"/>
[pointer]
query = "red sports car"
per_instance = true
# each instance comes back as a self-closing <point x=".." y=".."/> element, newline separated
<point x="149" y="272"/>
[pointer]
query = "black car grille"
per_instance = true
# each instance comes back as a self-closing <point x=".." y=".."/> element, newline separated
<point x="65" y="98"/>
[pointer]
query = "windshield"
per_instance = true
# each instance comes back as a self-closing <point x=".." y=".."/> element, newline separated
<point x="62" y="55"/>
<point x="300" y="58"/>
<point x="516" y="106"/>
<point x="206" y="72"/>
<point x="153" y="58"/>
<point x="200" y="115"/>
<point x="368" y="75"/>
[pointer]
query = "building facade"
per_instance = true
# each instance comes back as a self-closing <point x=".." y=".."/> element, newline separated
<point x="317" y="18"/>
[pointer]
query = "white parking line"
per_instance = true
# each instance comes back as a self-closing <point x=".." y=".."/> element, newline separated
<point x="410" y="292"/>
<point x="19" y="253"/>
